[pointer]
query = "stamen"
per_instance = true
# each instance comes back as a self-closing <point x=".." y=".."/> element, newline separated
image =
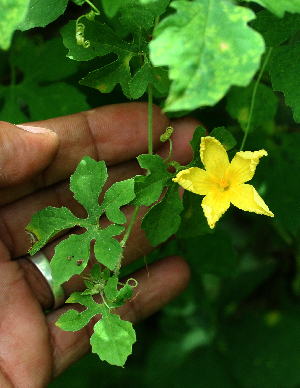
<point x="223" y="183"/>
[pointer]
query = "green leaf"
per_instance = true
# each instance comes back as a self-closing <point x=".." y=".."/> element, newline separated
<point x="157" y="76"/>
<point x="96" y="272"/>
<point x="12" y="13"/>
<point x="208" y="47"/>
<point x="72" y="320"/>
<point x="116" y="196"/>
<point x="113" y="338"/>
<point x="86" y="183"/>
<point x="195" y="144"/>
<point x="125" y="293"/>
<point x="163" y="219"/>
<point x="225" y="137"/>
<point x="193" y="222"/>
<point x="148" y="188"/>
<point x="42" y="12"/>
<point x="285" y="76"/>
<point x="276" y="30"/>
<point x="47" y="223"/>
<point x="111" y="288"/>
<point x="239" y="102"/>
<point x="279" y="7"/>
<point x="37" y="65"/>
<point x="112" y="7"/>
<point x="107" y="249"/>
<point x="211" y="253"/>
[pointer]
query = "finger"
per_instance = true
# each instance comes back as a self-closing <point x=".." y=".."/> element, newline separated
<point x="166" y="280"/>
<point x="113" y="133"/>
<point x="24" y="153"/>
<point x="14" y="217"/>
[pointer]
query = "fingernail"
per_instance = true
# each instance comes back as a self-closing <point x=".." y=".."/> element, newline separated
<point x="29" y="128"/>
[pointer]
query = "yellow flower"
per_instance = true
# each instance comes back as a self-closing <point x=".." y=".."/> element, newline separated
<point x="223" y="182"/>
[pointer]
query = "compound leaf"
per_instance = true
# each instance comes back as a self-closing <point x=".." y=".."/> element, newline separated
<point x="87" y="183"/>
<point x="157" y="76"/>
<point x="72" y="320"/>
<point x="208" y="47"/>
<point x="163" y="219"/>
<point x="116" y="196"/>
<point x="47" y="223"/>
<point x="113" y="338"/>
<point x="148" y="188"/>
<point x="285" y="76"/>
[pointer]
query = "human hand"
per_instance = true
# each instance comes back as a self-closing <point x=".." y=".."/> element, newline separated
<point x="34" y="173"/>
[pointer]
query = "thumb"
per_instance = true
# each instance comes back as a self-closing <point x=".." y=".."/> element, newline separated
<point x="25" y="151"/>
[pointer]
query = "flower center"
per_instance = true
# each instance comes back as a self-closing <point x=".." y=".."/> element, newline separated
<point x="223" y="184"/>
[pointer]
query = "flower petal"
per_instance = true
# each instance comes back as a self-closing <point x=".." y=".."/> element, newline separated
<point x="245" y="197"/>
<point x="242" y="167"/>
<point x="214" y="157"/>
<point x="214" y="205"/>
<point x="196" y="180"/>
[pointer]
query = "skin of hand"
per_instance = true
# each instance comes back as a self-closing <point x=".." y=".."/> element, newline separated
<point x="35" y="168"/>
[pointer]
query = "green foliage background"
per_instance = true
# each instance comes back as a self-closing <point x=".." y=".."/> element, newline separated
<point x="238" y="324"/>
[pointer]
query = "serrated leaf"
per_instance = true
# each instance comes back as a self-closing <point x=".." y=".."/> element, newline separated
<point x="195" y="144"/>
<point x="86" y="183"/>
<point x="276" y="30"/>
<point x="285" y="76"/>
<point x="148" y="188"/>
<point x="72" y="320"/>
<point x="239" y="102"/>
<point x="116" y="196"/>
<point x="113" y="338"/>
<point x="225" y="137"/>
<point x="12" y="13"/>
<point x="157" y="76"/>
<point x="163" y="219"/>
<point x="193" y="222"/>
<point x="279" y="7"/>
<point x="42" y="12"/>
<point x="47" y="223"/>
<point x="208" y="47"/>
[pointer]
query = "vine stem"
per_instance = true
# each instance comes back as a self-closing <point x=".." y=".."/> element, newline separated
<point x="254" y="95"/>
<point x="124" y="240"/>
<point x="150" y="120"/>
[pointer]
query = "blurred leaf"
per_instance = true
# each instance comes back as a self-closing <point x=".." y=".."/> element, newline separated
<point x="276" y="30"/>
<point x="113" y="338"/>
<point x="285" y="75"/>
<point x="239" y="102"/>
<point x="42" y="12"/>
<point x="279" y="7"/>
<point x="112" y="7"/>
<point x="36" y="66"/>
<point x="211" y="253"/>
<point x="193" y="222"/>
<point x="225" y="137"/>
<point x="162" y="220"/>
<point x="12" y="13"/>
<point x="263" y="349"/>
<point x="281" y="184"/>
<point x="203" y="44"/>
<point x="195" y="144"/>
